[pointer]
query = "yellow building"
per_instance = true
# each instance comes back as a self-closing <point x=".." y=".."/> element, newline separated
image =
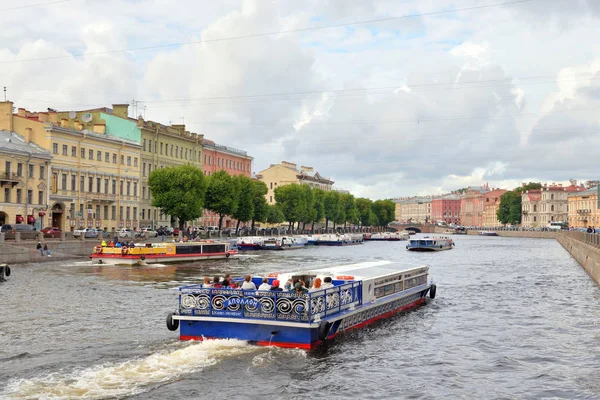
<point x="161" y="146"/>
<point x="583" y="209"/>
<point x="94" y="176"/>
<point x="24" y="180"/>
<point x="286" y="173"/>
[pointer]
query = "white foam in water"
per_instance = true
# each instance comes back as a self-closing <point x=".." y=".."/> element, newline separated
<point x="130" y="377"/>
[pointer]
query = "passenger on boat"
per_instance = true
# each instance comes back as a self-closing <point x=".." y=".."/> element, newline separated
<point x="118" y="244"/>
<point x="103" y="244"/>
<point x="217" y="283"/>
<point x="316" y="285"/>
<point x="111" y="244"/>
<point x="289" y="285"/>
<point x="265" y="285"/>
<point x="300" y="289"/>
<point x="206" y="284"/>
<point x="248" y="284"/>
<point x="275" y="287"/>
<point x="226" y="284"/>
<point x="327" y="284"/>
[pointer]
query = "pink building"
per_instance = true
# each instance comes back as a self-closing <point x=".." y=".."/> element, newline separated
<point x="446" y="208"/>
<point x="472" y="204"/>
<point x="218" y="157"/>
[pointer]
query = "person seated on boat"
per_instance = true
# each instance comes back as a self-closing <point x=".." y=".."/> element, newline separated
<point x="265" y="284"/>
<point x="300" y="289"/>
<point x="248" y="284"/>
<point x="132" y="244"/>
<point x="118" y="244"/>
<point x="217" y="283"/>
<point x="111" y="244"/>
<point x="289" y="285"/>
<point x="226" y="284"/>
<point x="327" y="284"/>
<point x="206" y="284"/>
<point x="103" y="244"/>
<point x="275" y="286"/>
<point x="316" y="285"/>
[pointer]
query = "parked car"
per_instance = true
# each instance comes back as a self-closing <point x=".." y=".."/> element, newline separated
<point x="16" y="227"/>
<point x="125" y="233"/>
<point x="79" y="232"/>
<point x="95" y="233"/>
<point x="51" y="232"/>
<point x="149" y="232"/>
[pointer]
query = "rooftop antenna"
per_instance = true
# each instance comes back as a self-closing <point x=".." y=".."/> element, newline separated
<point x="145" y="112"/>
<point x="183" y="120"/>
<point x="4" y="93"/>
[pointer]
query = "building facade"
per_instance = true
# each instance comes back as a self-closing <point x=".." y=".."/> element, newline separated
<point x="414" y="210"/>
<point x="490" y="209"/>
<point x="94" y="176"/>
<point x="549" y="204"/>
<point x="472" y="205"/>
<point x="218" y="157"/>
<point x="286" y="173"/>
<point x="24" y="181"/>
<point x="446" y="208"/>
<point x="583" y="209"/>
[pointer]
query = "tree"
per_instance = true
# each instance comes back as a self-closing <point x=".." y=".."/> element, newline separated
<point x="363" y="207"/>
<point x="331" y="205"/>
<point x="221" y="195"/>
<point x="259" y="201"/>
<point x="274" y="214"/>
<point x="319" y="208"/>
<point x="245" y="204"/>
<point x="178" y="191"/>
<point x="509" y="210"/>
<point x="290" y="199"/>
<point x="309" y="213"/>
<point x="530" y="186"/>
<point x="350" y="210"/>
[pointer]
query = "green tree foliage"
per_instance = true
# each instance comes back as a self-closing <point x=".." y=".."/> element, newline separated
<point x="385" y="211"/>
<point x="350" y="209"/>
<point x="363" y="207"/>
<point x="319" y="207"/>
<point x="509" y="210"/>
<point x="259" y="202"/>
<point x="309" y="212"/>
<point x="530" y="186"/>
<point x="274" y="214"/>
<point x="178" y="191"/>
<point x="221" y="195"/>
<point x="331" y="205"/>
<point x="372" y="219"/>
<point x="245" y="200"/>
<point x="291" y="200"/>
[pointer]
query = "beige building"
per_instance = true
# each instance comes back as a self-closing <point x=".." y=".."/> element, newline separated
<point x="24" y="181"/>
<point x="583" y="209"/>
<point x="94" y="175"/>
<point x="549" y="204"/>
<point x="286" y="173"/>
<point x="414" y="210"/>
<point x="490" y="208"/>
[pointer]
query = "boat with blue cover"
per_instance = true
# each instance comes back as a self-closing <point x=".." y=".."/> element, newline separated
<point x="359" y="294"/>
<point x="283" y="243"/>
<point x="249" y="243"/>
<point x="436" y="243"/>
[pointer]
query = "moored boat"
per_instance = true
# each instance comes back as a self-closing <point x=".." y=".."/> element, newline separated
<point x="359" y="295"/>
<point x="249" y="243"/>
<point x="427" y="243"/>
<point x="161" y="253"/>
<point x="283" y="243"/>
<point x="339" y="240"/>
<point x="386" y="237"/>
<point x="487" y="233"/>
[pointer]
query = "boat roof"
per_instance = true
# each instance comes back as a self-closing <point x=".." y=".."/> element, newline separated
<point x="360" y="271"/>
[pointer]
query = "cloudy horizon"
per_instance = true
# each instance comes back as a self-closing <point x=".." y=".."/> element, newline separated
<point x="454" y="93"/>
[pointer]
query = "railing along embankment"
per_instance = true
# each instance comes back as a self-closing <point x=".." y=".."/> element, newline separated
<point x="585" y="249"/>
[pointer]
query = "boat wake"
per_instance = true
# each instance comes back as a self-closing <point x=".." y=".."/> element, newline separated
<point x="130" y="377"/>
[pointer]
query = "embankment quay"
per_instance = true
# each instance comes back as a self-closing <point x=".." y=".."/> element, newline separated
<point x="513" y="318"/>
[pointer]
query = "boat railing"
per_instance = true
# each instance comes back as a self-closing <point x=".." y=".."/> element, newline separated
<point x="269" y="305"/>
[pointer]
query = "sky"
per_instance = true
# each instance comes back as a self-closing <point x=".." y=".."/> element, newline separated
<point x="388" y="98"/>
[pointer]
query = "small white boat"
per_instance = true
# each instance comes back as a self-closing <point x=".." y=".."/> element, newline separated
<point x="427" y="243"/>
<point x="487" y="233"/>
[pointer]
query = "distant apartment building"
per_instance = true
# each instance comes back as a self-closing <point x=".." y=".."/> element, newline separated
<point x="446" y="208"/>
<point x="583" y="208"/>
<point x="472" y="205"/>
<point x="286" y="173"/>
<point x="549" y="204"/>
<point x="413" y="209"/>
<point x="490" y="209"/>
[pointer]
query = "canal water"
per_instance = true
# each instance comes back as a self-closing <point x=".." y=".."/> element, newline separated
<point x="513" y="318"/>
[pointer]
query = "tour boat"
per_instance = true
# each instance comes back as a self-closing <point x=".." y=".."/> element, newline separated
<point x="430" y="244"/>
<point x="338" y="240"/>
<point x="487" y="233"/>
<point x="359" y="295"/>
<point x="249" y="243"/>
<point x="162" y="253"/>
<point x="460" y="231"/>
<point x="386" y="237"/>
<point x="284" y="243"/>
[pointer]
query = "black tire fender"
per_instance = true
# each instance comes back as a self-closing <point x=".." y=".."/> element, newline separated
<point x="227" y="255"/>
<point x="7" y="270"/>
<point x="172" y="324"/>
<point x="441" y="246"/>
<point x="143" y="257"/>
<point x="324" y="328"/>
<point x="100" y="262"/>
<point x="432" y="291"/>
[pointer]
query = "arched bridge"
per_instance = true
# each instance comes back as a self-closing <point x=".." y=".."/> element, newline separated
<point x="417" y="228"/>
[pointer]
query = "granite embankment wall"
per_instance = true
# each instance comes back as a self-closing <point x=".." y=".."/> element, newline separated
<point x="585" y="249"/>
<point x="25" y="252"/>
<point x="524" y="234"/>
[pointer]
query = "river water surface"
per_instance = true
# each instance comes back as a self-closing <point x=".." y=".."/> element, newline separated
<point x="513" y="318"/>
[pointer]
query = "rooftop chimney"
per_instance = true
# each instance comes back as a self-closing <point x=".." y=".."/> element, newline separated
<point x="121" y="110"/>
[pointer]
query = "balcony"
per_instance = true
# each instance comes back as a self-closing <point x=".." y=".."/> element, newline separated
<point x="9" y="179"/>
<point x="584" y="211"/>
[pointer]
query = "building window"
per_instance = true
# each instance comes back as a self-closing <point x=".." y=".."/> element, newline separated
<point x="270" y="199"/>
<point x="54" y="148"/>
<point x="6" y="195"/>
<point x="91" y="153"/>
<point x="90" y="184"/>
<point x="122" y="160"/>
<point x="128" y="160"/>
<point x="143" y="213"/>
<point x="82" y="183"/>
<point x="107" y="157"/>
<point x="97" y="216"/>
<point x="41" y="197"/>
<point x="272" y="185"/>
<point x="42" y="172"/>
<point x="114" y="213"/>
<point x="65" y="149"/>
<point x="143" y="194"/>
<point x="161" y="147"/>
<point x="121" y="192"/>
<point x="144" y="146"/>
<point x="135" y="213"/>
<point x="98" y="185"/>
<point x="121" y="212"/>
<point x="114" y="158"/>
<point x="552" y="196"/>
<point x="150" y="146"/>
<point x="19" y="195"/>
<point x="128" y="212"/>
<point x="135" y="162"/>
<point x="135" y="187"/>
<point x="29" y="196"/>
<point x="30" y="170"/>
<point x="534" y="218"/>
<point x="128" y="189"/>
<point x="99" y="155"/>
<point x="63" y="182"/>
<point x="106" y="187"/>
<point x="19" y="170"/>
<point x="73" y="182"/>
<point x="73" y="151"/>
<point x="171" y="150"/>
<point x="205" y="158"/>
<point x="83" y="153"/>
<point x="105" y="212"/>
<point x="534" y="208"/>
<point x="552" y="207"/>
